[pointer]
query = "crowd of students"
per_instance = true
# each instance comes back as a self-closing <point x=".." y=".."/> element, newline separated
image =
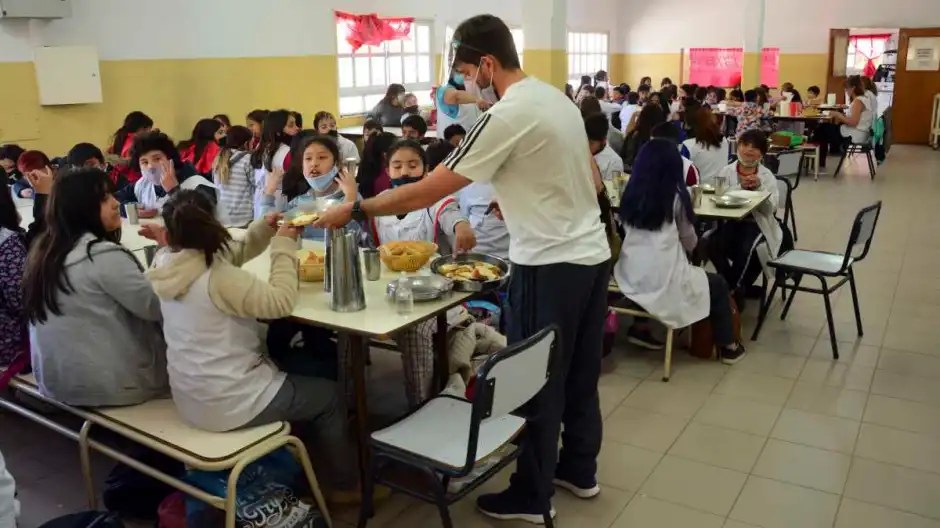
<point x="101" y="330"/>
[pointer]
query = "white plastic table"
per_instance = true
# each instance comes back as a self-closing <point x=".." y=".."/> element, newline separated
<point x="129" y="237"/>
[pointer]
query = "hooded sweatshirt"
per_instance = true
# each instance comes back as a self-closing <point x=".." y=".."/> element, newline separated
<point x="220" y="374"/>
<point x="106" y="347"/>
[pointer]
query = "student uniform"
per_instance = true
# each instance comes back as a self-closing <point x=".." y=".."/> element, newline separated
<point x="261" y="175"/>
<point x="492" y="235"/>
<point x="708" y="160"/>
<point x="525" y="147"/>
<point x="464" y="115"/>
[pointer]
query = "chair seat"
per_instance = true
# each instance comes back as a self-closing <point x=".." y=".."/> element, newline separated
<point x="440" y="430"/>
<point x="819" y="261"/>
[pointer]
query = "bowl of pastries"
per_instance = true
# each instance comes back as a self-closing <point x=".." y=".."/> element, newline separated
<point x="473" y="272"/>
<point x="312" y="265"/>
<point x="407" y="255"/>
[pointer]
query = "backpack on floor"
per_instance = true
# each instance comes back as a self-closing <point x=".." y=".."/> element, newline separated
<point x="133" y="494"/>
<point x="89" y="519"/>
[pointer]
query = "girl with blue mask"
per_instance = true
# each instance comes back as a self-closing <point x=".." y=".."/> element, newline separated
<point x="315" y="174"/>
<point x="458" y="102"/>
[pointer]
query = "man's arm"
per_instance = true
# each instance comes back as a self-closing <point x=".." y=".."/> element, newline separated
<point x="419" y="195"/>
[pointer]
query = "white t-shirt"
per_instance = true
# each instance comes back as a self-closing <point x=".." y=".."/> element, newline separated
<point x="609" y="109"/>
<point x="347" y="149"/>
<point x="608" y="161"/>
<point x="626" y="113"/>
<point x="709" y="161"/>
<point x="532" y="147"/>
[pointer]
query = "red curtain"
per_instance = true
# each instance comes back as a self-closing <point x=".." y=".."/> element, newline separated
<point x="715" y="66"/>
<point x="770" y="66"/>
<point x="372" y="30"/>
<point x="865" y="47"/>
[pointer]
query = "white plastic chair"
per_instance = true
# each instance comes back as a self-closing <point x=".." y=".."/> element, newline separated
<point x="448" y="436"/>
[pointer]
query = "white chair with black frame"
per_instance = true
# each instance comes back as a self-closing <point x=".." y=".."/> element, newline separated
<point x="447" y="437"/>
<point x="823" y="265"/>
<point x="851" y="148"/>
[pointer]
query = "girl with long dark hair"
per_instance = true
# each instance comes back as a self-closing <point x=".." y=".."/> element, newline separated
<point x="653" y="269"/>
<point x="269" y="158"/>
<point x="647" y="119"/>
<point x="255" y="121"/>
<point x="201" y="149"/>
<point x="390" y="109"/>
<point x="96" y="338"/>
<point x="135" y="123"/>
<point x="707" y="148"/>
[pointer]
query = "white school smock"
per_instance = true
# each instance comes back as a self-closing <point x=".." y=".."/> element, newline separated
<point x="423" y="224"/>
<point x="492" y="235"/>
<point x="764" y="213"/>
<point x="654" y="272"/>
<point x="261" y="176"/>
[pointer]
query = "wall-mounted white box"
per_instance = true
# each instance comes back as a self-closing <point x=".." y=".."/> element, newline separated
<point x="67" y="75"/>
<point x="35" y="8"/>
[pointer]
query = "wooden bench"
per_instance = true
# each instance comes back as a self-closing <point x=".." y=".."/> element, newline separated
<point x="156" y="425"/>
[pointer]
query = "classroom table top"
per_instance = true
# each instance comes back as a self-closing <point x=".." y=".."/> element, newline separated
<point x="379" y="317"/>
<point x="129" y="237"/>
<point x="805" y="119"/>
<point x="708" y="209"/>
<point x="356" y="131"/>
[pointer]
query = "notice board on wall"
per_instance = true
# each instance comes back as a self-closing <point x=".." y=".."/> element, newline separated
<point x="716" y="66"/>
<point x="770" y="67"/>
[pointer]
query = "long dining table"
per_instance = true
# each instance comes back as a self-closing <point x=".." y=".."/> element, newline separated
<point x="379" y="320"/>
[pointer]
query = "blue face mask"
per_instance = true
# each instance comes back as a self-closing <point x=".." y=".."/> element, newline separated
<point x="458" y="78"/>
<point x="322" y="182"/>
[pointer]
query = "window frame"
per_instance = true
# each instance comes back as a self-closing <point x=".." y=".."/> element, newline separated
<point x="395" y="49"/>
<point x="574" y="77"/>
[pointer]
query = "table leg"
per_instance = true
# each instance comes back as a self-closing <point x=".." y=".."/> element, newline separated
<point x="441" y="361"/>
<point x="357" y="351"/>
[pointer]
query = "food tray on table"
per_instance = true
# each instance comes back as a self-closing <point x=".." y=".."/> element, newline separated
<point x="730" y="201"/>
<point x="423" y="287"/>
<point x="473" y="272"/>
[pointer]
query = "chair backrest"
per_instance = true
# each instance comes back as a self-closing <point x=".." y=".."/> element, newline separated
<point x="784" y="191"/>
<point x="863" y="231"/>
<point x="509" y="379"/>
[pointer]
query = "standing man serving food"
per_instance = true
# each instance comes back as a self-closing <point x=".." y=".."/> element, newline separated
<point x="532" y="147"/>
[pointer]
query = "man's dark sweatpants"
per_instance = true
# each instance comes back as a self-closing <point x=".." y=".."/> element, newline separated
<point x="574" y="298"/>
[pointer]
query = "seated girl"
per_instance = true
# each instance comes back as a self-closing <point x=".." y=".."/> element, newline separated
<point x="220" y="373"/>
<point x="234" y="179"/>
<point x="410" y="106"/>
<point x="269" y="158"/>
<point x="734" y="243"/>
<point x="202" y="148"/>
<point x="163" y="174"/>
<point x="707" y="148"/>
<point x="135" y="123"/>
<point x="13" y="337"/>
<point x="653" y="269"/>
<point x="315" y="175"/>
<point x="441" y="223"/>
<point x="325" y="123"/>
<point x="95" y="335"/>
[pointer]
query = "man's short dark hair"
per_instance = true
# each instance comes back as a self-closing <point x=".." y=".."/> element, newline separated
<point x="454" y="130"/>
<point x="82" y="152"/>
<point x="754" y="138"/>
<point x="633" y="98"/>
<point x="644" y="88"/>
<point x="416" y="122"/>
<point x="665" y="131"/>
<point x="600" y="92"/>
<point x="596" y="126"/>
<point x="485" y="35"/>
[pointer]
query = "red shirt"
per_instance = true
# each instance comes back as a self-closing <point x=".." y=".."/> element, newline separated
<point x="206" y="160"/>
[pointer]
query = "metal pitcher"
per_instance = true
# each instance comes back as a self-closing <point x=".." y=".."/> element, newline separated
<point x="343" y="274"/>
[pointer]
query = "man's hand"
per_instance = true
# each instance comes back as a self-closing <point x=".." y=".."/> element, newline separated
<point x="40" y="180"/>
<point x="289" y="231"/>
<point x="271" y="219"/>
<point x="155" y="232"/>
<point x="336" y="216"/>
<point x="168" y="178"/>
<point x="466" y="238"/>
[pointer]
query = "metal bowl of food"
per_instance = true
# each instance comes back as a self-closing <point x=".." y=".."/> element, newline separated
<point x="423" y="287"/>
<point x="473" y="272"/>
<point x="729" y="201"/>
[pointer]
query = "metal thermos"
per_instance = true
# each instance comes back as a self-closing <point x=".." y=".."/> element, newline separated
<point x="344" y="272"/>
<point x="697" y="193"/>
<point x="130" y="209"/>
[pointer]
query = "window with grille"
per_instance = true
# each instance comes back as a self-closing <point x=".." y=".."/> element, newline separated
<point x="364" y="75"/>
<point x="517" y="37"/>
<point x="587" y="54"/>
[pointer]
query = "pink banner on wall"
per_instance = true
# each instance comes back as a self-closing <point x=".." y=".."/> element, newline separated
<point x="770" y="67"/>
<point x="715" y="66"/>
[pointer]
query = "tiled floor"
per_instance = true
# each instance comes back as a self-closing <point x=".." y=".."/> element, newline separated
<point x="787" y="438"/>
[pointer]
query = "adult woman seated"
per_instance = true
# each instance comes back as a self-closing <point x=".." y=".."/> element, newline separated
<point x="389" y="111"/>
<point x="95" y="336"/>
<point x="733" y="250"/>
<point x="707" y="148"/>
<point x="853" y="126"/>
<point x="653" y="269"/>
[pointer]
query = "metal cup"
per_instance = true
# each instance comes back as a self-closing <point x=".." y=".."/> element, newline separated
<point x="130" y="209"/>
<point x="721" y="185"/>
<point x="373" y="264"/>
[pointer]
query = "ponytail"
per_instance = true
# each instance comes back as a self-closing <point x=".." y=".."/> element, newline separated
<point x="191" y="224"/>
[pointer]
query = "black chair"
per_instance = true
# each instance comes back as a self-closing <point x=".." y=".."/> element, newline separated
<point x="822" y="265"/>
<point x="850" y="149"/>
<point x="448" y="437"/>
<point x="785" y="190"/>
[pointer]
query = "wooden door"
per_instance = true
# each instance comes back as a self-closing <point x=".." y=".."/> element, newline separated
<point x="913" y="93"/>
<point x="838" y="56"/>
